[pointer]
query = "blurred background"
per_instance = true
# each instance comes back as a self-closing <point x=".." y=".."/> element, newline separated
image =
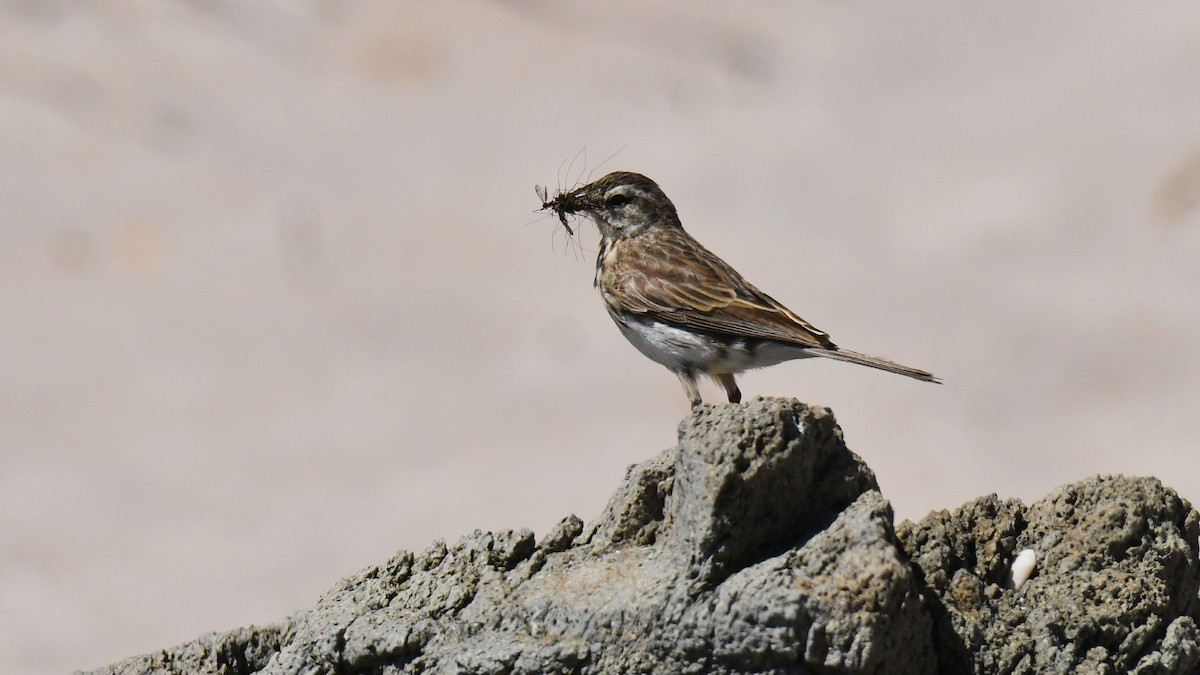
<point x="275" y="303"/>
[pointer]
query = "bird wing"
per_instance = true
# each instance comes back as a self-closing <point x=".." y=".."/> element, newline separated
<point x="671" y="275"/>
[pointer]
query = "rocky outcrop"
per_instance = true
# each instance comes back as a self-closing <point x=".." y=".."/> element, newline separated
<point x="1116" y="588"/>
<point x="760" y="544"/>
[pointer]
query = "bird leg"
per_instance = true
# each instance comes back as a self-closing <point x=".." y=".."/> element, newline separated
<point x="688" y="380"/>
<point x="731" y="388"/>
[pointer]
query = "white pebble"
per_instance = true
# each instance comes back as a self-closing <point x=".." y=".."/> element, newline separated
<point x="1022" y="566"/>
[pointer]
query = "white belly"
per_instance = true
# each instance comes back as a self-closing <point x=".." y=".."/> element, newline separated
<point x="682" y="350"/>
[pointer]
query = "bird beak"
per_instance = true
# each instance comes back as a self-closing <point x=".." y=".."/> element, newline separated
<point x="573" y="202"/>
<point x="570" y="202"/>
<point x="564" y="204"/>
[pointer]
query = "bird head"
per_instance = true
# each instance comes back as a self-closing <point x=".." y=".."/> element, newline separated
<point x="623" y="204"/>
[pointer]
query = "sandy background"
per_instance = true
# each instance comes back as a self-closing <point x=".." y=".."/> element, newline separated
<point x="274" y="302"/>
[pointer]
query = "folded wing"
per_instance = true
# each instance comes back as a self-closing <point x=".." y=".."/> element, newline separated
<point x="687" y="286"/>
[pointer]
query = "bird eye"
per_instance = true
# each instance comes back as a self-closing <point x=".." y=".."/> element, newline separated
<point x="617" y="200"/>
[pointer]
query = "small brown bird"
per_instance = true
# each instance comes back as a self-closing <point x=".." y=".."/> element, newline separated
<point x="681" y="305"/>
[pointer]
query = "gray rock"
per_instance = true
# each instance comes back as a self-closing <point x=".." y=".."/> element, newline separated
<point x="760" y="544"/>
<point x="1115" y="589"/>
<point x="243" y="650"/>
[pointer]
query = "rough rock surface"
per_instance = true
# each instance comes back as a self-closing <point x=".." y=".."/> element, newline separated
<point x="1116" y="587"/>
<point x="760" y="544"/>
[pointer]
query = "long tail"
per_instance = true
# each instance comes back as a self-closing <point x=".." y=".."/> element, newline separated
<point x="875" y="362"/>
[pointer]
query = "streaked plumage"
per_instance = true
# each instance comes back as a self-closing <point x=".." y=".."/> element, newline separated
<point x="681" y="305"/>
